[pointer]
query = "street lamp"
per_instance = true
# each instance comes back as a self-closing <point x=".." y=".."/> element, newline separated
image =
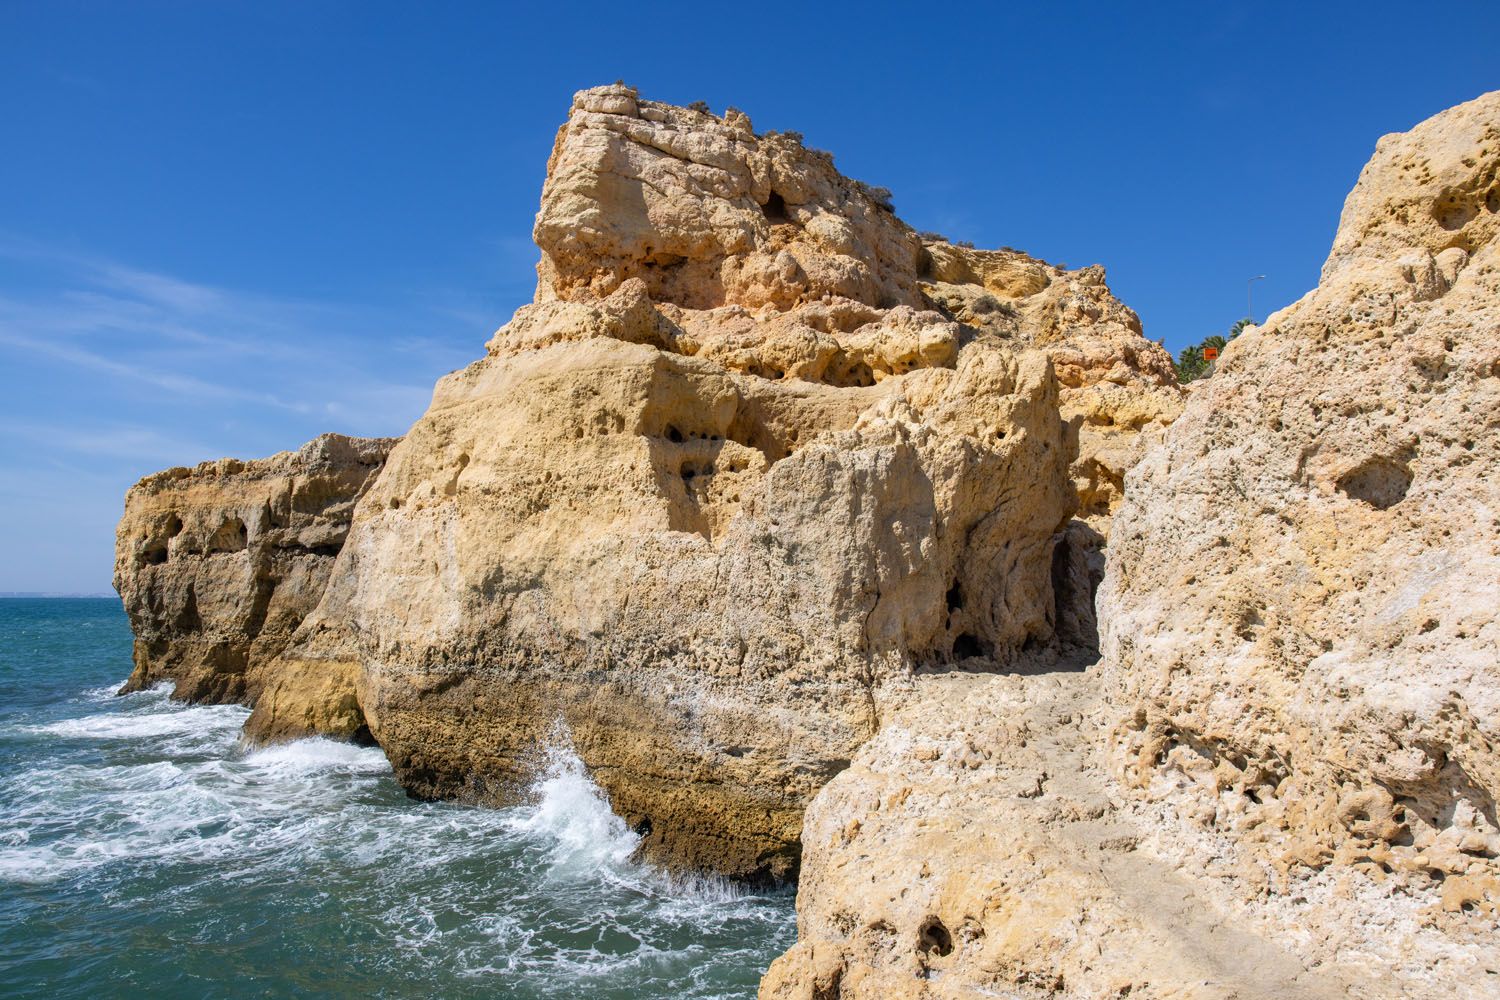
<point x="1250" y="296"/>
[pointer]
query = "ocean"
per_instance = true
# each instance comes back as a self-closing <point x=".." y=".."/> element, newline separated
<point x="145" y="853"/>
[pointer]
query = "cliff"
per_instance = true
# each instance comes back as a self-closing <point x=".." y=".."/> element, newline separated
<point x="218" y="565"/>
<point x="756" y="457"/>
<point x="746" y="465"/>
<point x="1280" y="780"/>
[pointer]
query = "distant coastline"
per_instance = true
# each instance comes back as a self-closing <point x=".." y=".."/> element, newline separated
<point x="6" y="595"/>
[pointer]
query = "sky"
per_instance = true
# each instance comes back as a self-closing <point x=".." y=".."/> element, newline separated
<point x="226" y="227"/>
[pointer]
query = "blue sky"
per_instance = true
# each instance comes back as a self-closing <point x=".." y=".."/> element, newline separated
<point x="228" y="227"/>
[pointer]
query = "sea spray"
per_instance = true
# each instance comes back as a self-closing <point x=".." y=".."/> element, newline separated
<point x="573" y="812"/>
<point x="570" y="813"/>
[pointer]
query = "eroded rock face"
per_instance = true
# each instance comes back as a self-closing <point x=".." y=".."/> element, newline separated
<point x="1119" y="391"/>
<point x="745" y="466"/>
<point x="976" y="847"/>
<point x="707" y="214"/>
<point x="1301" y="609"/>
<point x="218" y="565"/>
<point x="756" y="456"/>
<point x="708" y="575"/>
<point x="1280" y="781"/>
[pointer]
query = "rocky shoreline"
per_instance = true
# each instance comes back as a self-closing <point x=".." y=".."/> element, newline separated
<point x="796" y="517"/>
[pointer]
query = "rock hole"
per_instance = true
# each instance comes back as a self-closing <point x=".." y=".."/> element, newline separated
<point x="231" y="536"/>
<point x="775" y="209"/>
<point x="933" y="938"/>
<point x="673" y="434"/>
<point x="1248" y="623"/>
<point x="173" y="527"/>
<point x="955" y="597"/>
<point x="1379" y="481"/>
<point x="967" y="645"/>
<point x="1453" y="211"/>
<point x="1074" y="585"/>
<point x="857" y="374"/>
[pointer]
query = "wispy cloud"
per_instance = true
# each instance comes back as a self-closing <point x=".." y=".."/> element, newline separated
<point x="174" y="382"/>
<point x="109" y="371"/>
<point x="209" y="345"/>
<point x="113" y="440"/>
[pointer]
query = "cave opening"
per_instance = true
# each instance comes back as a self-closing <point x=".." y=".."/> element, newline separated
<point x="775" y="209"/>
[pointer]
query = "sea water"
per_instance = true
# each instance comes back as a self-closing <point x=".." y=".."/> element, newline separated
<point x="144" y="852"/>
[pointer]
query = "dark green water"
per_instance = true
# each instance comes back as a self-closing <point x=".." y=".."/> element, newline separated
<point x="144" y="853"/>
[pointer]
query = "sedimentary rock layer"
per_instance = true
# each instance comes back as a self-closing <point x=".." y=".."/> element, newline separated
<point x="217" y="565"/>
<point x="977" y="847"/>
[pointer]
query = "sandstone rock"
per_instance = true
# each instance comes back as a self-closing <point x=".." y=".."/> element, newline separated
<point x="974" y="848"/>
<point x="742" y="469"/>
<point x="707" y="574"/>
<point x="1119" y="391"/>
<point x="218" y="565"/>
<point x="1300" y="611"/>
<point x="756" y="456"/>
<point x="1280" y="781"/>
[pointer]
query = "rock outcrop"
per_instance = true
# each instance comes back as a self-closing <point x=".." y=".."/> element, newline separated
<point x="1280" y="781"/>
<point x="1302" y="613"/>
<point x="756" y="455"/>
<point x="218" y="565"/>
<point x="1118" y="390"/>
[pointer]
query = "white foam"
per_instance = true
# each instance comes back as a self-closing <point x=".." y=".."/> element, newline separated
<point x="313" y="756"/>
<point x="160" y="691"/>
<point x="195" y="720"/>
<point x="141" y="787"/>
<point x="573" y="813"/>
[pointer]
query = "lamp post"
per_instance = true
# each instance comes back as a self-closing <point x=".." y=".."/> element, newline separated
<point x="1250" y="296"/>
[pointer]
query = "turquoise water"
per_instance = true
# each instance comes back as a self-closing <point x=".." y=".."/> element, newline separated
<point x="144" y="853"/>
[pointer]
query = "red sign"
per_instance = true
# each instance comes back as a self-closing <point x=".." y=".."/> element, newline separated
<point x="1210" y="354"/>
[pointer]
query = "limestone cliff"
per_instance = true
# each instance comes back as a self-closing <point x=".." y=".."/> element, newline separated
<point x="1280" y="781"/>
<point x="755" y="458"/>
<point x="756" y="455"/>
<point x="1302" y="612"/>
<point x="218" y="565"/>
